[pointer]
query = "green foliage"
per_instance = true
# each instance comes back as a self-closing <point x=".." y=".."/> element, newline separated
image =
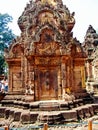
<point x="6" y="36"/>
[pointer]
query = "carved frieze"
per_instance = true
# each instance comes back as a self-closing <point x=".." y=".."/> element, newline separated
<point x="49" y="61"/>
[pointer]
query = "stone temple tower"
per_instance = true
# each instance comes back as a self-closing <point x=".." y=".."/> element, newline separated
<point x="45" y="62"/>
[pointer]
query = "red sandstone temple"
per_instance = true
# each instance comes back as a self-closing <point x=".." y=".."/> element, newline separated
<point x="46" y="62"/>
<point x="47" y="68"/>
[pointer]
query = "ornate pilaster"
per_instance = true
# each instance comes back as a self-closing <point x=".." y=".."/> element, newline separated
<point x="59" y="84"/>
<point x="63" y="78"/>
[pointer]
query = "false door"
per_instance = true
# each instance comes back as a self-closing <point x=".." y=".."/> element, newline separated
<point x="47" y="84"/>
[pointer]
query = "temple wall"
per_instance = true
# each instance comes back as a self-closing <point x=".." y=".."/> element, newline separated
<point x="15" y="79"/>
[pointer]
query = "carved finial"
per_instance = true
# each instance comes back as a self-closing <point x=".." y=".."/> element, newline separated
<point x="53" y="2"/>
<point x="91" y="29"/>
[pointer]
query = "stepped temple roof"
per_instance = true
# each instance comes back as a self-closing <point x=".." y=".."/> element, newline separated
<point x="43" y="21"/>
<point x="90" y="40"/>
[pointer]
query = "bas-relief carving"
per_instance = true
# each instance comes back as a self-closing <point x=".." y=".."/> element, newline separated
<point x="47" y="49"/>
<point x="29" y="88"/>
<point x="17" y="84"/>
<point x="47" y="61"/>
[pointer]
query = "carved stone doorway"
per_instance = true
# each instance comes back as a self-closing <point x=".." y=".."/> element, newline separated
<point x="47" y="83"/>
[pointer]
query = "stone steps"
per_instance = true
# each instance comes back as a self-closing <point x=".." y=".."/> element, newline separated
<point x="49" y="106"/>
<point x="43" y="105"/>
<point x="15" y="109"/>
<point x="51" y="117"/>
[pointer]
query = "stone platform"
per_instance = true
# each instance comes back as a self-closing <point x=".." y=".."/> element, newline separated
<point x="51" y="117"/>
<point x="51" y="112"/>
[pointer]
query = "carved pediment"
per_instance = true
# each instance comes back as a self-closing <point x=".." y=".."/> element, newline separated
<point x="47" y="44"/>
<point x="16" y="51"/>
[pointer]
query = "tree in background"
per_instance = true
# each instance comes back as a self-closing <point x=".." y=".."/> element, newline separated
<point x="6" y="36"/>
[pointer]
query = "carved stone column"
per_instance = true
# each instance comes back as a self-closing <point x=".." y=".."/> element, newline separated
<point x="24" y="72"/>
<point x="59" y="84"/>
<point x="88" y="70"/>
<point x="10" y="83"/>
<point x="72" y="82"/>
<point x="83" y="76"/>
<point x="63" y="78"/>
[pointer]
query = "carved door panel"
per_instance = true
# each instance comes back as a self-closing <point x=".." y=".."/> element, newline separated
<point x="48" y="88"/>
<point x="16" y="81"/>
